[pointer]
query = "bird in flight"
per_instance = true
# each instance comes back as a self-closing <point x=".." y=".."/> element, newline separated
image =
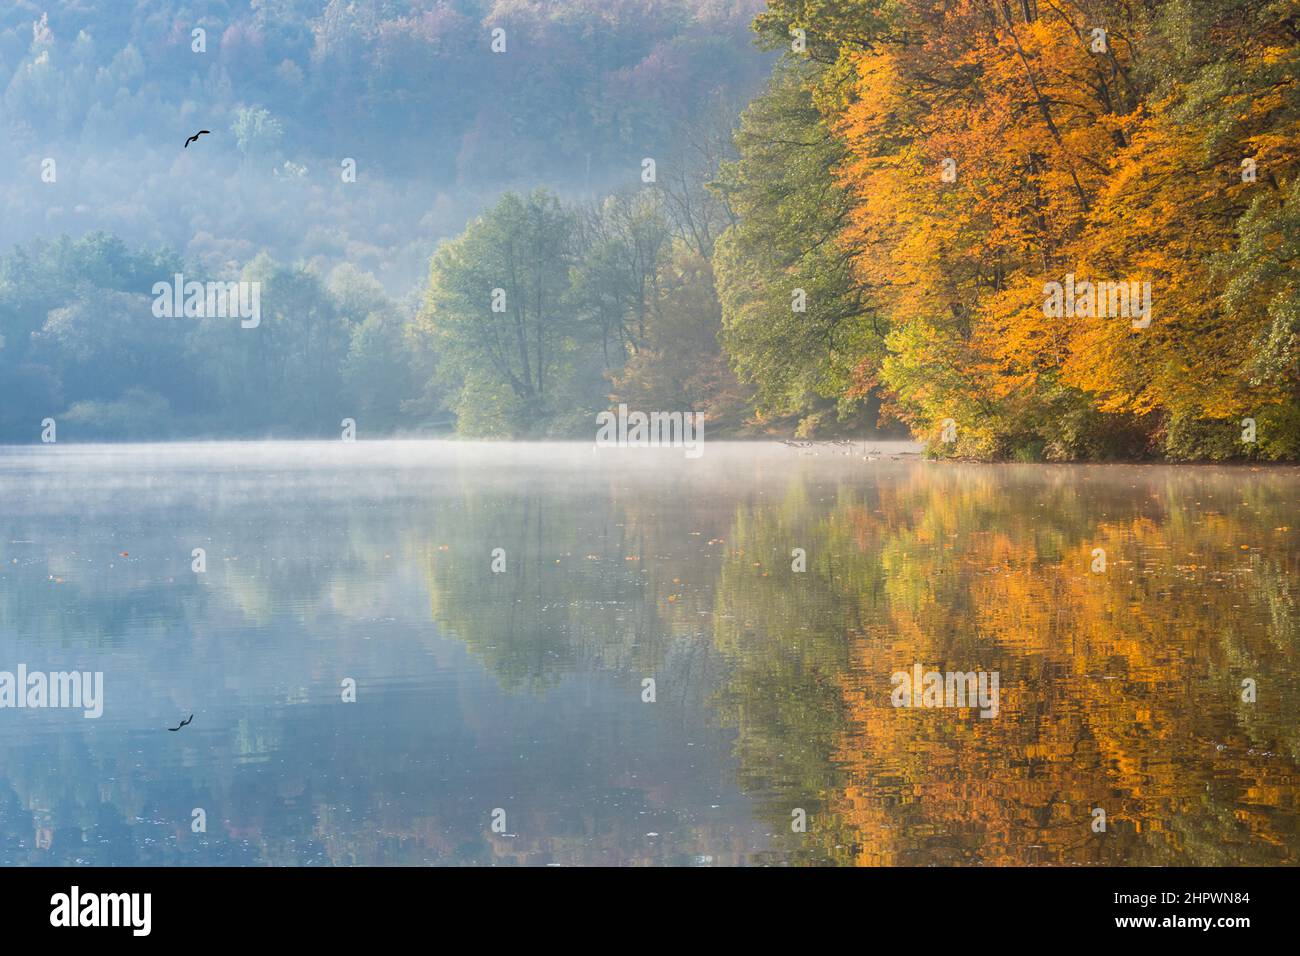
<point x="183" y="723"/>
<point x="196" y="136"/>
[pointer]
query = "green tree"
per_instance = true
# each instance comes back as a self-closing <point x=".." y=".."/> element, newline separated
<point x="791" y="213"/>
<point x="624" y="240"/>
<point x="495" y="312"/>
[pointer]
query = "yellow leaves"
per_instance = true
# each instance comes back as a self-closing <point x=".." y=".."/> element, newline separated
<point x="1057" y="163"/>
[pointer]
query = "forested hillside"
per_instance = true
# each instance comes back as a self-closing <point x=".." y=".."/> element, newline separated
<point x="1029" y="230"/>
<point x="347" y="140"/>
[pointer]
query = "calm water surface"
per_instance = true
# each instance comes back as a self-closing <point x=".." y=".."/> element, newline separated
<point x="523" y="690"/>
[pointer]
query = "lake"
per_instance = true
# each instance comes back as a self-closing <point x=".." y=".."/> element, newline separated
<point x="643" y="673"/>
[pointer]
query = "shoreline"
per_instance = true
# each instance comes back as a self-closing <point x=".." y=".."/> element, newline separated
<point x="868" y="449"/>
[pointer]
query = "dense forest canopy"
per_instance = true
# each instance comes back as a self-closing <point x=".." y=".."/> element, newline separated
<point x="347" y="140"/>
<point x="992" y="149"/>
<point x="437" y="123"/>
<point x="851" y="226"/>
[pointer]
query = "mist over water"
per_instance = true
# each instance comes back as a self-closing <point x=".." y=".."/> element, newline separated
<point x="522" y="689"/>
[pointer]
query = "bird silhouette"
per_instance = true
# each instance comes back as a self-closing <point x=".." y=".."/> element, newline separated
<point x="183" y="723"/>
<point x="196" y="136"/>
